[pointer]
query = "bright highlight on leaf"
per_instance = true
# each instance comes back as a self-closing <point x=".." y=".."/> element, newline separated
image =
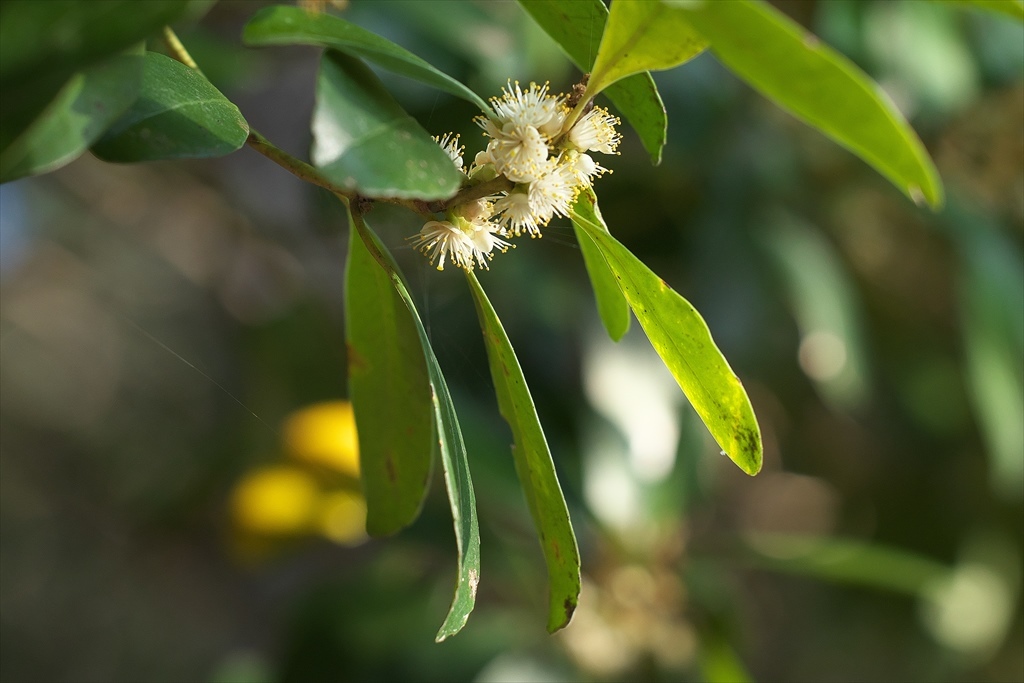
<point x="642" y="36"/>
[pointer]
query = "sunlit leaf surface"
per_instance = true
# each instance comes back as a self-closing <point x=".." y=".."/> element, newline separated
<point x="612" y="306"/>
<point x="642" y="36"/>
<point x="682" y="339"/>
<point x="817" y="84"/>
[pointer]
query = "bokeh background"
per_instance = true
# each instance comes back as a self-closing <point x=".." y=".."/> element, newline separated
<point x="179" y="496"/>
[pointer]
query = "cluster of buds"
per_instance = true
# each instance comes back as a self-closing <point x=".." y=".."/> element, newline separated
<point x="538" y="144"/>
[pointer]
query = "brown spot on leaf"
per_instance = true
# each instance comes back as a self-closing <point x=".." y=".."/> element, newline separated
<point x="389" y="466"/>
<point x="569" y="606"/>
<point x="356" y="363"/>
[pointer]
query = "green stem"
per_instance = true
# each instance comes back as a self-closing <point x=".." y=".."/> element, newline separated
<point x="178" y="50"/>
<point x="300" y="169"/>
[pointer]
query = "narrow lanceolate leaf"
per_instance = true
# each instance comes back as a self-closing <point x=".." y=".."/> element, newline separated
<point x="642" y="36"/>
<point x="90" y="102"/>
<point x="611" y="304"/>
<point x="365" y="142"/>
<point x="577" y="26"/>
<point x="390" y="394"/>
<point x="453" y="451"/>
<point x="682" y="339"/>
<point x="820" y="86"/>
<point x="284" y="25"/>
<point x="534" y="466"/>
<point x="178" y="115"/>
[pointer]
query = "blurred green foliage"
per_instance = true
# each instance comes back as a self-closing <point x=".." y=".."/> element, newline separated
<point x="158" y="325"/>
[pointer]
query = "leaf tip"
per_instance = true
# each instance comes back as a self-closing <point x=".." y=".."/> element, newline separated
<point x="562" y="614"/>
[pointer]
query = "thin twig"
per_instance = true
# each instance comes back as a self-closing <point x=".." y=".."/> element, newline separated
<point x="304" y="171"/>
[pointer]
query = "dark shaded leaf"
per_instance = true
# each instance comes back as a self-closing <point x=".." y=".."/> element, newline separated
<point x="283" y="25"/>
<point x="85" y="107"/>
<point x="390" y="394"/>
<point x="178" y="115"/>
<point x="43" y="44"/>
<point x="453" y="452"/>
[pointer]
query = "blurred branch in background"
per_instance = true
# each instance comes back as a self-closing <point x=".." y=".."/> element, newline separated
<point x="178" y="499"/>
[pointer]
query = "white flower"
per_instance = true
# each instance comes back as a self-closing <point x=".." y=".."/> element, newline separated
<point x="515" y="213"/>
<point x="466" y="244"/>
<point x="518" y="152"/>
<point x="440" y="239"/>
<point x="553" y="128"/>
<point x="534" y="108"/>
<point x="481" y="159"/>
<point x="478" y="210"/>
<point x="486" y="238"/>
<point x="450" y="144"/>
<point x="596" y="132"/>
<point x="584" y="168"/>
<point x="554" y="191"/>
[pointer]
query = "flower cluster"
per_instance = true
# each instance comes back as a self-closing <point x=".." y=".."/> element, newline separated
<point x="541" y="146"/>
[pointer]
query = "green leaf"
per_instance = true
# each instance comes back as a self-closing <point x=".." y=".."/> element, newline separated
<point x="390" y="394"/>
<point x="534" y="466"/>
<point x="818" y="85"/>
<point x="178" y="115"/>
<point x="642" y="36"/>
<point x="682" y="339"/>
<point x="611" y="304"/>
<point x="453" y="452"/>
<point x="719" y="661"/>
<point x="282" y="25"/>
<point x="365" y="142"/>
<point x="845" y="561"/>
<point x="43" y="44"/>
<point x="1009" y="8"/>
<point x="577" y="25"/>
<point x="85" y="107"/>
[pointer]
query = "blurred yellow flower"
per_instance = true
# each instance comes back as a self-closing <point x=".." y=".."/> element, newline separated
<point x="324" y="434"/>
<point x="343" y="517"/>
<point x="276" y="500"/>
